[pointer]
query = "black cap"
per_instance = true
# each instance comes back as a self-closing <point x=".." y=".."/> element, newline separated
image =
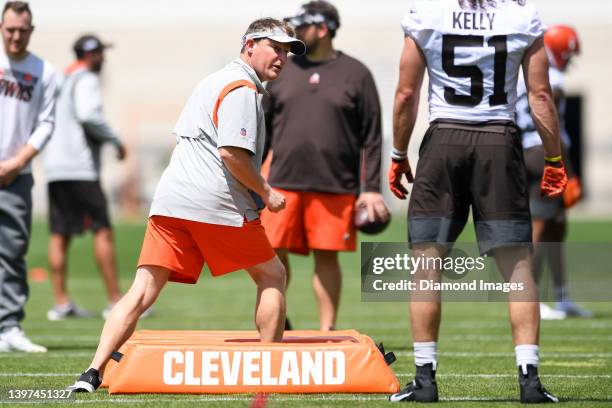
<point x="87" y="43"/>
<point x="316" y="12"/>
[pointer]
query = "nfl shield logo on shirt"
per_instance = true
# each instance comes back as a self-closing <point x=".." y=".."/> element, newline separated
<point x="243" y="132"/>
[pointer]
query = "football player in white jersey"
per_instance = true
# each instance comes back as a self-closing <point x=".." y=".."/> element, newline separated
<point x="471" y="156"/>
<point x="549" y="215"/>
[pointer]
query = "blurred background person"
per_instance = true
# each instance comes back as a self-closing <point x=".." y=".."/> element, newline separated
<point x="72" y="166"/>
<point x="549" y="218"/>
<point x="323" y="120"/>
<point x="27" y="104"/>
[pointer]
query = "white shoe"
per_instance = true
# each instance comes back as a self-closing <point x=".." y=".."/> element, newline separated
<point x="69" y="310"/>
<point x="572" y="309"/>
<point x="548" y="313"/>
<point x="4" y="347"/>
<point x="16" y="339"/>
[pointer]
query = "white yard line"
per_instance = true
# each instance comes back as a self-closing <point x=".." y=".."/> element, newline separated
<point x="460" y="375"/>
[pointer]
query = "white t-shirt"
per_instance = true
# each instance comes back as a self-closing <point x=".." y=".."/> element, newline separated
<point x="196" y="185"/>
<point x="473" y="56"/>
<point x="27" y="104"/>
<point x="524" y="120"/>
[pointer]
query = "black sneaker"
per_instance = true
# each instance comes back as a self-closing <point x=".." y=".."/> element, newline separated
<point x="532" y="391"/>
<point x="422" y="389"/>
<point x="89" y="381"/>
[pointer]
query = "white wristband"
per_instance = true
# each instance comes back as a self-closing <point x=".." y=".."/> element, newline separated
<point x="399" y="154"/>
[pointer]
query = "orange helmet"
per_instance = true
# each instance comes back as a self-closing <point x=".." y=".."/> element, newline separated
<point x="561" y="43"/>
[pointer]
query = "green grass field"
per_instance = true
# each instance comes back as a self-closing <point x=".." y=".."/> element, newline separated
<point x="476" y="358"/>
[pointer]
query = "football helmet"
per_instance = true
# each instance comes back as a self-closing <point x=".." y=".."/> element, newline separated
<point x="561" y="44"/>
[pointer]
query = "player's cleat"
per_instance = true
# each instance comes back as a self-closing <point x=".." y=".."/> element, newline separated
<point x="532" y="391"/>
<point x="572" y="309"/>
<point x="89" y="381"/>
<point x="548" y="313"/>
<point x="16" y="340"/>
<point x="69" y="310"/>
<point x="422" y="389"/>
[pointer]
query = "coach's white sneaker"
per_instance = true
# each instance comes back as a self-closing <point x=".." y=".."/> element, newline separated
<point x="548" y="313"/>
<point x="16" y="339"/>
<point x="4" y="347"/>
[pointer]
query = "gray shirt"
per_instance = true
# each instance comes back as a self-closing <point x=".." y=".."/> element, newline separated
<point x="196" y="185"/>
<point x="73" y="153"/>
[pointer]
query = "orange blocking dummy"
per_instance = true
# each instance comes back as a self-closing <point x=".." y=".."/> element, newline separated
<point x="201" y="362"/>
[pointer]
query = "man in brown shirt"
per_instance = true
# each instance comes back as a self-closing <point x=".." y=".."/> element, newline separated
<point x="324" y="135"/>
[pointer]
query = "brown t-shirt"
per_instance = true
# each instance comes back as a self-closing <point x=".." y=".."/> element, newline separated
<point x="321" y="120"/>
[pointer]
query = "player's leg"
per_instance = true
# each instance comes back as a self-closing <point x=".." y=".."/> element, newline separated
<point x="555" y="255"/>
<point x="104" y="251"/>
<point x="283" y="255"/>
<point x="57" y="256"/>
<point x="503" y="227"/>
<point x="270" y="305"/>
<point x="122" y="321"/>
<point x="327" y="285"/>
<point x="437" y="212"/>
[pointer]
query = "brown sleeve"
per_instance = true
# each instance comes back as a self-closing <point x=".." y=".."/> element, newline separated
<point x="371" y="135"/>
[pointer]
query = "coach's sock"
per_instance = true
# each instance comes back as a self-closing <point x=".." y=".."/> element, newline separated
<point x="527" y="354"/>
<point x="426" y="353"/>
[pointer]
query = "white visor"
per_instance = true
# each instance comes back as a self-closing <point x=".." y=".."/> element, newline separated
<point x="278" y="35"/>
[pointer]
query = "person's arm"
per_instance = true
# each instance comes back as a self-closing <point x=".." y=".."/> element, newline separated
<point x="405" y="110"/>
<point x="237" y="143"/>
<point x="43" y="129"/>
<point x="238" y="162"/>
<point x="88" y="107"/>
<point x="10" y="168"/>
<point x="541" y="101"/>
<point x="545" y="117"/>
<point x="371" y="135"/>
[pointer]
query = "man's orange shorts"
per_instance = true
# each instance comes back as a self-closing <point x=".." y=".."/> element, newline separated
<point x="184" y="246"/>
<point x="312" y="221"/>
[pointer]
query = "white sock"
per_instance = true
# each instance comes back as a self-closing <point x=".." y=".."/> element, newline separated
<point x="426" y="353"/>
<point x="527" y="354"/>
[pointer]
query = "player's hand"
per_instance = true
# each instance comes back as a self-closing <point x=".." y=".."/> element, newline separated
<point x="274" y="200"/>
<point x="121" y="151"/>
<point x="573" y="192"/>
<point x="9" y="170"/>
<point x="554" y="179"/>
<point x="396" y="171"/>
<point x="374" y="202"/>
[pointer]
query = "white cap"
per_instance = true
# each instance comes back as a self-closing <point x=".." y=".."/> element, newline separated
<point x="278" y="35"/>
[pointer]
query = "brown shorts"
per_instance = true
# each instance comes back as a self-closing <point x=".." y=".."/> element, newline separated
<point x="470" y="165"/>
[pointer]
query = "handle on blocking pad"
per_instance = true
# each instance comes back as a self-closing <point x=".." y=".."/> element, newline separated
<point x="389" y="357"/>
<point x="117" y="356"/>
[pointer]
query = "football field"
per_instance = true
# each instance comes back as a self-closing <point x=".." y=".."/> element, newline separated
<point x="476" y="355"/>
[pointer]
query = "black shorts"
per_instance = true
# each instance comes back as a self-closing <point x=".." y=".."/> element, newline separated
<point x="542" y="208"/>
<point x="76" y="206"/>
<point x="478" y="165"/>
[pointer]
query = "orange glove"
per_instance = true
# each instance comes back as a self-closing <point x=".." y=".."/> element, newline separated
<point x="396" y="171"/>
<point x="554" y="179"/>
<point x="573" y="192"/>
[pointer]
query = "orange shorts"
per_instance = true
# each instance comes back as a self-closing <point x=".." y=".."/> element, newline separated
<point x="312" y="221"/>
<point x="184" y="246"/>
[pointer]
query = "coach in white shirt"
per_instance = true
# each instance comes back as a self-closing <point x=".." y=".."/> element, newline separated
<point x="27" y="92"/>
